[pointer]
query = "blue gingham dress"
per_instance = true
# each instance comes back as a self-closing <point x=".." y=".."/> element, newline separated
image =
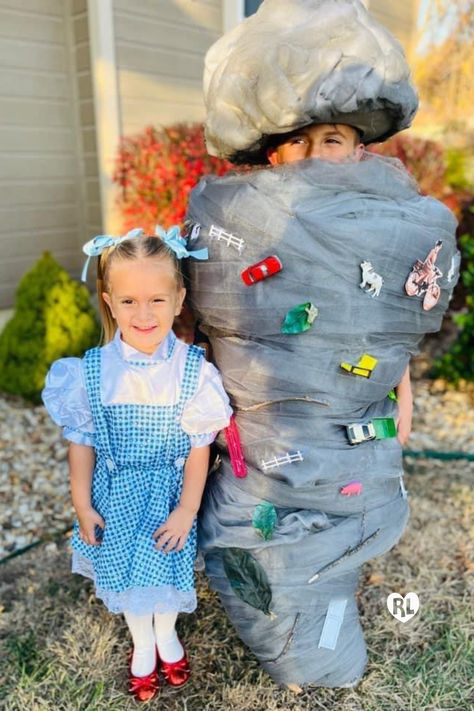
<point x="140" y="454"/>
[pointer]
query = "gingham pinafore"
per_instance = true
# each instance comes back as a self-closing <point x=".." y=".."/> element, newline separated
<point x="137" y="481"/>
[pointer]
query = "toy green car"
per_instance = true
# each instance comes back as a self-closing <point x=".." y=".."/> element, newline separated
<point x="376" y="428"/>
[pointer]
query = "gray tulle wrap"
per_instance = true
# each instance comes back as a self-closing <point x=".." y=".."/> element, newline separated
<point x="290" y="393"/>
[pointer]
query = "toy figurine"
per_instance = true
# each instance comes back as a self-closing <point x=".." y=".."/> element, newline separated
<point x="423" y="279"/>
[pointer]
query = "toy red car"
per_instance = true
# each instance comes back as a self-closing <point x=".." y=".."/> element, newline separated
<point x="261" y="270"/>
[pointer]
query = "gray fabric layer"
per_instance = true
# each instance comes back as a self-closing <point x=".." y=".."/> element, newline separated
<point x="299" y="61"/>
<point x="289" y="392"/>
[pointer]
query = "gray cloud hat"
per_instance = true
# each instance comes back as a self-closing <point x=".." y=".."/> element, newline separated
<point x="296" y="62"/>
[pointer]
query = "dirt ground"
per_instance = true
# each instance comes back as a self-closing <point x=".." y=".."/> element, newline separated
<point x="62" y="651"/>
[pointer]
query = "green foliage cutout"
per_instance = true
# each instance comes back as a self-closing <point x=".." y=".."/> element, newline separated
<point x="300" y="318"/>
<point x="52" y="318"/>
<point x="264" y="519"/>
<point x="248" y="579"/>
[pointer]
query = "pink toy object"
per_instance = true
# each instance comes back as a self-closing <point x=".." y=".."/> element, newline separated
<point x="235" y="449"/>
<point x="261" y="270"/>
<point x="422" y="280"/>
<point x="353" y="488"/>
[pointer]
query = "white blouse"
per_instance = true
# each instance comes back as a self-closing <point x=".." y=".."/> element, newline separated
<point x="129" y="376"/>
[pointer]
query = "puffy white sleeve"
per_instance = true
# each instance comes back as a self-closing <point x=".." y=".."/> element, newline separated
<point x="65" y="398"/>
<point x="208" y="411"/>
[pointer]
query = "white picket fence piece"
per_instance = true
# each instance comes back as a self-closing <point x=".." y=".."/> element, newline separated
<point x="287" y="458"/>
<point x="231" y="240"/>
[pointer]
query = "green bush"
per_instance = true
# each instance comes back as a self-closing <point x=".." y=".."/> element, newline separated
<point x="456" y="165"/>
<point x="458" y="363"/>
<point x="52" y="318"/>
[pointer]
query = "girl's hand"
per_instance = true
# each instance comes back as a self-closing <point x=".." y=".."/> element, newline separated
<point x="172" y="535"/>
<point x="88" y="520"/>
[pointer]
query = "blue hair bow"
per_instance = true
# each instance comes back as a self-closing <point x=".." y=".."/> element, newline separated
<point x="94" y="247"/>
<point x="178" y="244"/>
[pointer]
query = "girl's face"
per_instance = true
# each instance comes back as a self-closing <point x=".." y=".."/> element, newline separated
<point x="143" y="298"/>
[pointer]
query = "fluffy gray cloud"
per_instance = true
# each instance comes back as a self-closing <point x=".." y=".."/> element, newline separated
<point x="299" y="61"/>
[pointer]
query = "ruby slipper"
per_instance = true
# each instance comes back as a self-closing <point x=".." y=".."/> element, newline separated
<point x="175" y="673"/>
<point x="143" y="688"/>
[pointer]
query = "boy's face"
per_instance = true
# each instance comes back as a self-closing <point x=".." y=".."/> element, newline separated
<point x="333" y="142"/>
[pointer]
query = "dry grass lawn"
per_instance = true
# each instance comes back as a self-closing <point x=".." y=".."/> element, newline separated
<point x="62" y="651"/>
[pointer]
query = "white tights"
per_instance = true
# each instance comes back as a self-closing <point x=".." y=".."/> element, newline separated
<point x="149" y="631"/>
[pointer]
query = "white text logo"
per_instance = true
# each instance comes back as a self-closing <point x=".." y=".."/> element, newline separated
<point x="403" y="608"/>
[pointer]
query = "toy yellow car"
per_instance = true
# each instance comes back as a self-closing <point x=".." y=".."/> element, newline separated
<point x="364" y="367"/>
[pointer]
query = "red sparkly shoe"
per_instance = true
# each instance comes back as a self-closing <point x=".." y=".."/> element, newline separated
<point x="143" y="688"/>
<point x="175" y="673"/>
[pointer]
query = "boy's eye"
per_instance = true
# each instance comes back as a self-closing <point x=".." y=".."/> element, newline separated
<point x="126" y="301"/>
<point x="298" y="140"/>
<point x="158" y="301"/>
<point x="333" y="140"/>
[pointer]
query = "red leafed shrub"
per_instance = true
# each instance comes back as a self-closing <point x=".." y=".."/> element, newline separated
<point x="425" y="160"/>
<point x="157" y="170"/>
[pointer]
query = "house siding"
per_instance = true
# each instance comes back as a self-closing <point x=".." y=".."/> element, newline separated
<point x="86" y="120"/>
<point x="40" y="172"/>
<point x="160" y="48"/>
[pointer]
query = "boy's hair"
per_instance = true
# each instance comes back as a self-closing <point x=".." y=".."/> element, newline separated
<point x="148" y="246"/>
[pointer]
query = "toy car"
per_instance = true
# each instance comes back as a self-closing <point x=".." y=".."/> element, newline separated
<point x="377" y="428"/>
<point x="360" y="432"/>
<point x="261" y="270"/>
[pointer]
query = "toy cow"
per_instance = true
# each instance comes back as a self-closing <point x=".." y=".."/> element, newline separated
<point x="371" y="279"/>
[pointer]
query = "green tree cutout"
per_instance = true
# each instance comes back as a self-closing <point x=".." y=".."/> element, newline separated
<point x="264" y="519"/>
<point x="248" y="579"/>
<point x="53" y="318"/>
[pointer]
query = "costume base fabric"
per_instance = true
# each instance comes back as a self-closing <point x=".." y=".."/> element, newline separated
<point x="284" y="544"/>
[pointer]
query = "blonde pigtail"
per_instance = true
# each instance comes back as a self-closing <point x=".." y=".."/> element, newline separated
<point x="109" y="325"/>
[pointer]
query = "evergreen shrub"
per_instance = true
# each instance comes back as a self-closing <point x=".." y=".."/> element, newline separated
<point x="458" y="363"/>
<point x="53" y="318"/>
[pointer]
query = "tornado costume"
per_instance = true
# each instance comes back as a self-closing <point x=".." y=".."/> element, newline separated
<point x="321" y="281"/>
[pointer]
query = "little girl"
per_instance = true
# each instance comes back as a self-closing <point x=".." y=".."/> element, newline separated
<point x="139" y="413"/>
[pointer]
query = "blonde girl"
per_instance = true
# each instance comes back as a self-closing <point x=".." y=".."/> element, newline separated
<point x="140" y="413"/>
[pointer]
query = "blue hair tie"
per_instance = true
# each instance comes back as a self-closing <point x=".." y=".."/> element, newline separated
<point x="94" y="247"/>
<point x="178" y="244"/>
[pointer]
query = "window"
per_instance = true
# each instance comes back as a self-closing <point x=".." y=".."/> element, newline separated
<point x="251" y="6"/>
